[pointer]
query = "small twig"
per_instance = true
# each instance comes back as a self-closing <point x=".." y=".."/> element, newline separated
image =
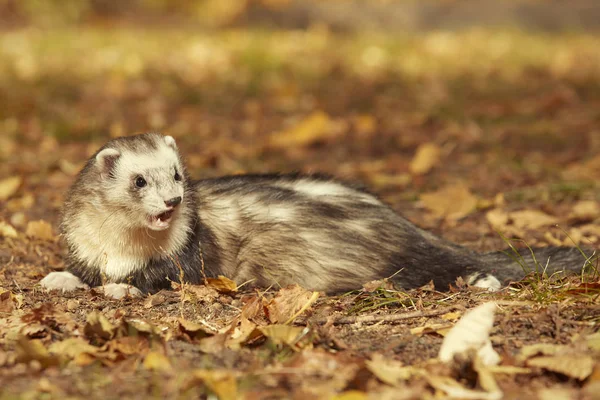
<point x="202" y="264"/>
<point x="374" y="318"/>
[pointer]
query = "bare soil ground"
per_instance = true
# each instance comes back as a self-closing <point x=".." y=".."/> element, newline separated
<point x="468" y="134"/>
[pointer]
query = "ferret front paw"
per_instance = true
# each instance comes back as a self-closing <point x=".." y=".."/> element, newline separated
<point x="119" y="290"/>
<point x="62" y="280"/>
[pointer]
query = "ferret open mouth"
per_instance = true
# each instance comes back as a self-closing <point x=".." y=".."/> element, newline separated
<point x="162" y="220"/>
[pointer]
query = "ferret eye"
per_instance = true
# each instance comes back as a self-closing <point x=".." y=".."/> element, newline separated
<point x="177" y="176"/>
<point x="140" y="182"/>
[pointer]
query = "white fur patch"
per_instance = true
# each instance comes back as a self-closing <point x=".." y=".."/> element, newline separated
<point x="490" y="282"/>
<point x="170" y="141"/>
<point x="325" y="189"/>
<point x="62" y="280"/>
<point x="119" y="290"/>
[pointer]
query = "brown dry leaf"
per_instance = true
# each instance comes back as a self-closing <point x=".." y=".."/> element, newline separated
<point x="193" y="330"/>
<point x="199" y="292"/>
<point x="532" y="219"/>
<point x="455" y="390"/>
<point x="252" y="308"/>
<point x="498" y="219"/>
<point x="222" y="383"/>
<point x="440" y="329"/>
<point x="6" y="230"/>
<point x="283" y="334"/>
<point x="288" y="302"/>
<point x="246" y="332"/>
<point x="127" y="346"/>
<point x="71" y="348"/>
<point x="426" y="157"/>
<point x="9" y="187"/>
<point x="390" y="371"/>
<point x="98" y="326"/>
<point x="6" y="302"/>
<point x="313" y="128"/>
<point x="156" y="361"/>
<point x="546" y="349"/>
<point x="40" y="229"/>
<point x="34" y="350"/>
<point x="222" y="284"/>
<point x="155" y="300"/>
<point x="585" y="211"/>
<point x="451" y="202"/>
<point x="578" y="366"/>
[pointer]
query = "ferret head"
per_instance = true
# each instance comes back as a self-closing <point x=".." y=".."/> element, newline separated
<point x="142" y="177"/>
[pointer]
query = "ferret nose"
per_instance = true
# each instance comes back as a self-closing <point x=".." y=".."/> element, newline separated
<point x="174" y="202"/>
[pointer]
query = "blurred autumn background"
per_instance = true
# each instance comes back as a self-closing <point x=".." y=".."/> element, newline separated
<point x="471" y="118"/>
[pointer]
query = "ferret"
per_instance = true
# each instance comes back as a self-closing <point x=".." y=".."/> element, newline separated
<point x="134" y="222"/>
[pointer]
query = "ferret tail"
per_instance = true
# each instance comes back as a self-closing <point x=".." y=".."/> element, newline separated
<point x="514" y="264"/>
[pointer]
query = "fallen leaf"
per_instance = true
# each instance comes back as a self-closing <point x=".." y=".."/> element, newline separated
<point x="154" y="300"/>
<point x="71" y="348"/>
<point x="288" y="302"/>
<point x="390" y="371"/>
<point x="97" y="325"/>
<point x="9" y="187"/>
<point x="498" y="219"/>
<point x="6" y="230"/>
<point x="452" y="202"/>
<point x="40" y="230"/>
<point x="585" y="211"/>
<point x="455" y="390"/>
<point x="472" y="332"/>
<point x="578" y="366"/>
<point x="313" y="128"/>
<point x="350" y="395"/>
<point x="532" y="219"/>
<point x="34" y="350"/>
<point x="283" y="334"/>
<point x="156" y="361"/>
<point x="222" y="284"/>
<point x="222" y="383"/>
<point x="427" y="156"/>
<point x="440" y="329"/>
<point x="193" y="330"/>
<point x="6" y="303"/>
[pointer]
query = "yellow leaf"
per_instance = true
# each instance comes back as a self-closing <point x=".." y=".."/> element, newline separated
<point x="315" y="127"/>
<point x="72" y="347"/>
<point x="452" y="202"/>
<point x="7" y="230"/>
<point x="440" y="329"/>
<point x="390" y="371"/>
<point x="222" y="383"/>
<point x="222" y="284"/>
<point x="156" y="361"/>
<point x="34" y="350"/>
<point x="40" y="230"/>
<point x="578" y="366"/>
<point x="9" y="186"/>
<point x="350" y="395"/>
<point x="280" y="334"/>
<point x="532" y="219"/>
<point x="426" y="157"/>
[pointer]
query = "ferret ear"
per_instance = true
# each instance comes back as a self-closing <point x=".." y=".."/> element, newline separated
<point x="170" y="142"/>
<point x="106" y="160"/>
